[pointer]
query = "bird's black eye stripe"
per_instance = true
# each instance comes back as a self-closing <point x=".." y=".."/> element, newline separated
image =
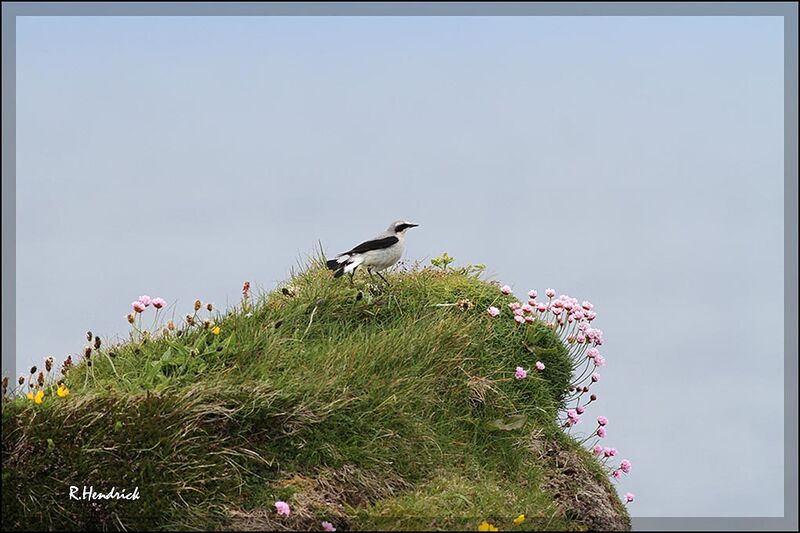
<point x="401" y="227"/>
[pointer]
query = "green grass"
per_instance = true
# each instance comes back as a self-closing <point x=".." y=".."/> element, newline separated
<point x="368" y="406"/>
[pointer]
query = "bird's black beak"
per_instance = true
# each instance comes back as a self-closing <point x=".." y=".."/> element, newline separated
<point x="413" y="225"/>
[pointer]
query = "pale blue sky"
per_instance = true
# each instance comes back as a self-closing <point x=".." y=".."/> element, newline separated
<point x="634" y="162"/>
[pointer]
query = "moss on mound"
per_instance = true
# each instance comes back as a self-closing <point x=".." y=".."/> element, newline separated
<point x="366" y="406"/>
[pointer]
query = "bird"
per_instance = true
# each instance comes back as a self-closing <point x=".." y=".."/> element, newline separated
<point x="376" y="254"/>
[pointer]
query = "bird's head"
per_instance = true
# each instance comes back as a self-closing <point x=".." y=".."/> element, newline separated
<point x="399" y="227"/>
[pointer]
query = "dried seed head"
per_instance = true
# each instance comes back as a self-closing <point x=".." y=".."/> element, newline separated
<point x="21" y="380"/>
<point x="210" y="307"/>
<point x="585" y="389"/>
<point x="593" y="397"/>
<point x="33" y="369"/>
<point x="5" y="382"/>
<point x="40" y="379"/>
<point x="48" y="364"/>
<point x="87" y="352"/>
<point x="465" y="304"/>
<point x="190" y="320"/>
<point x="171" y="325"/>
<point x="197" y="305"/>
<point x="97" y="343"/>
<point x="131" y="318"/>
<point x="89" y="336"/>
<point x="89" y="362"/>
<point x="112" y="354"/>
<point x="206" y="323"/>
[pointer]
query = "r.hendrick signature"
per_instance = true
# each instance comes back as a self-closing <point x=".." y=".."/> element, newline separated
<point x="114" y="494"/>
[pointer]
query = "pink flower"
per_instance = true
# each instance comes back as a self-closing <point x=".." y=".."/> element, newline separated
<point x="601" y="432"/>
<point x="521" y="373"/>
<point x="529" y="319"/>
<point x="591" y="353"/>
<point x="590" y="315"/>
<point x="519" y="319"/>
<point x="625" y="466"/>
<point x="580" y="338"/>
<point x="138" y="306"/>
<point x="283" y="508"/>
<point x="542" y="307"/>
<point x="539" y="366"/>
<point x="532" y="293"/>
<point x="493" y="311"/>
<point x="514" y="305"/>
<point x="519" y="311"/>
<point x="505" y="289"/>
<point x="527" y="308"/>
<point x="629" y="497"/>
<point x="597" y="449"/>
<point x="601" y="420"/>
<point x="583" y="326"/>
<point x="580" y="409"/>
<point x="587" y="305"/>
<point x="158" y="303"/>
<point x="145" y="300"/>
<point x="532" y="302"/>
<point x="616" y="474"/>
<point x="599" y="360"/>
<point x="595" y="377"/>
<point x="573" y="417"/>
<point x="609" y="452"/>
<point x="327" y="526"/>
<point x="550" y="293"/>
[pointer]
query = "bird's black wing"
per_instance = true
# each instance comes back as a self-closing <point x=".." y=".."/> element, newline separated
<point x="375" y="244"/>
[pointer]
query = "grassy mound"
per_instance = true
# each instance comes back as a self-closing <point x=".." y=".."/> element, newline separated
<point x="362" y="405"/>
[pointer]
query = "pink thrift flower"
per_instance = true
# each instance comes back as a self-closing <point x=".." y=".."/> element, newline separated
<point x="514" y="305"/>
<point x="595" y="377"/>
<point x="599" y="360"/>
<point x="532" y="302"/>
<point x="532" y="293"/>
<point x="493" y="311"/>
<point x="616" y="474"/>
<point x="587" y="305"/>
<point x="519" y="319"/>
<point x="521" y="373"/>
<point x="591" y="353"/>
<point x="602" y="420"/>
<point x="580" y="409"/>
<point x="519" y="311"/>
<point x="529" y="319"/>
<point x="145" y="300"/>
<point x="539" y="366"/>
<point x="580" y="338"/>
<point x="590" y="315"/>
<point x="601" y="432"/>
<point x="283" y="508"/>
<point x="625" y="466"/>
<point x="327" y="526"/>
<point x="583" y="326"/>
<point x="629" y="497"/>
<point x="138" y="306"/>
<point x="597" y="449"/>
<point x="505" y="289"/>
<point x="527" y="308"/>
<point x="550" y="293"/>
<point x="610" y="452"/>
<point x="158" y="303"/>
<point x="542" y="307"/>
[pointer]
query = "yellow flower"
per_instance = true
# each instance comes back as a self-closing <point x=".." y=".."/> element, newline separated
<point x="216" y="330"/>
<point x="62" y="391"/>
<point x="486" y="526"/>
<point x="39" y="397"/>
<point x="520" y="519"/>
<point x="30" y="396"/>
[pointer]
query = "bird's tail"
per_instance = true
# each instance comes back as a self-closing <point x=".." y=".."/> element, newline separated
<point x="344" y="264"/>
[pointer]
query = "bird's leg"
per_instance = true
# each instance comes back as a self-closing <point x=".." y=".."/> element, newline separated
<point x="381" y="276"/>
<point x="369" y="271"/>
<point x="352" y="275"/>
